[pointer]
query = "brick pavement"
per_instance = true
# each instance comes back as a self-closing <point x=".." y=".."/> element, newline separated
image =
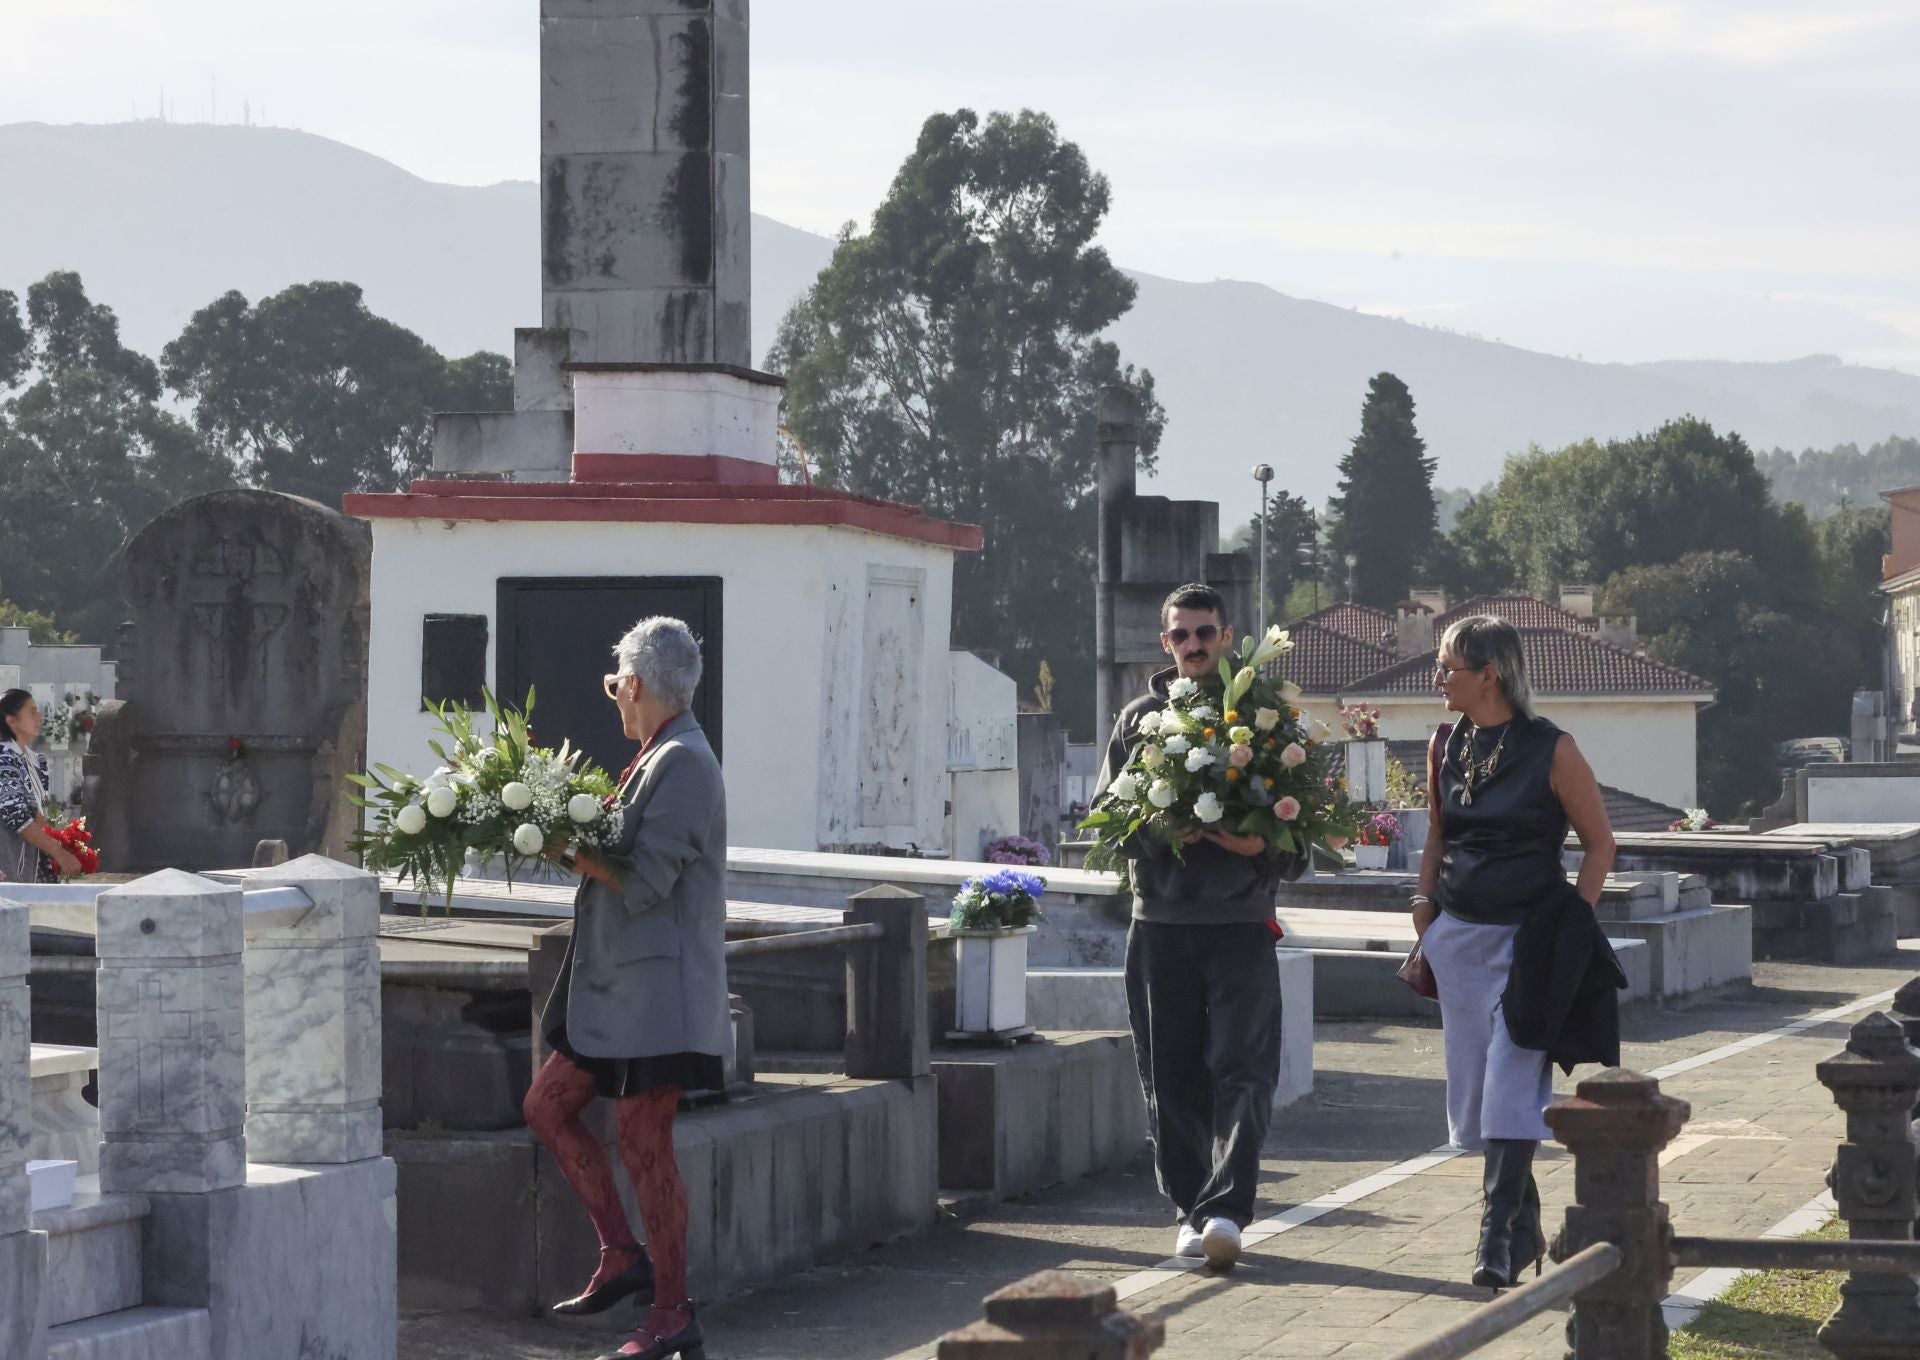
<point x="1357" y="1282"/>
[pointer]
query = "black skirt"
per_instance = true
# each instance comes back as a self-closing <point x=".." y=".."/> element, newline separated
<point x="614" y="1078"/>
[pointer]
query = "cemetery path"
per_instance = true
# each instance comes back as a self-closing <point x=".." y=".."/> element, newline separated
<point x="1357" y="1280"/>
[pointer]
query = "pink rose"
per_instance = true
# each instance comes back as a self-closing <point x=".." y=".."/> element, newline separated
<point x="1288" y="808"/>
<point x="1238" y="756"/>
<point x="1293" y="756"/>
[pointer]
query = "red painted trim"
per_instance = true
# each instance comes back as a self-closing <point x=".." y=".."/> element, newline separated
<point x="669" y="467"/>
<point x="536" y="502"/>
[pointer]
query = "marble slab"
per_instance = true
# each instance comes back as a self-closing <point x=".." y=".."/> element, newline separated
<point x="23" y="1273"/>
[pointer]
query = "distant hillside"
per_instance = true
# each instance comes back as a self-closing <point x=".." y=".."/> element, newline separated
<point x="160" y="218"/>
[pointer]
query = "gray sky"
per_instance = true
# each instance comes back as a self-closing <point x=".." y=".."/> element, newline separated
<point x="1640" y="179"/>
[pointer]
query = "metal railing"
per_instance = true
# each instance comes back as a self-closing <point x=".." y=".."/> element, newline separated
<point x="792" y="941"/>
<point x="1492" y="1321"/>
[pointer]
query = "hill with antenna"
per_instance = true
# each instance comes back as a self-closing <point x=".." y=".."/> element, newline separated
<point x="159" y="218"/>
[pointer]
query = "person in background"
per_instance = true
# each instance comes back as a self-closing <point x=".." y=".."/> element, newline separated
<point x="639" y="1012"/>
<point x="1203" y="990"/>
<point x="1503" y="786"/>
<point x="28" y="851"/>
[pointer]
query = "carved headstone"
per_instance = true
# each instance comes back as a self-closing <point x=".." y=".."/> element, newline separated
<point x="244" y="704"/>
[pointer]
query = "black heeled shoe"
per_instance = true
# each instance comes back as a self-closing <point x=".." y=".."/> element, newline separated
<point x="687" y="1343"/>
<point x="636" y="1282"/>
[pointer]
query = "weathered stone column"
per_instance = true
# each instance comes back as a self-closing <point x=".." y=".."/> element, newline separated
<point x="887" y="1034"/>
<point x="172" y="1036"/>
<point x="1876" y="1080"/>
<point x="313" y="1017"/>
<point x="23" y="1252"/>
<point x="1051" y="1316"/>
<point x="1616" y="1125"/>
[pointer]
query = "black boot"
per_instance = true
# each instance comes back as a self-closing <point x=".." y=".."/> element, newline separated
<point x="1529" y="1234"/>
<point x="1509" y="1172"/>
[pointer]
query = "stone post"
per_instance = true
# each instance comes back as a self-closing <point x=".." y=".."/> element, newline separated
<point x="1906" y="1009"/>
<point x="1118" y="433"/>
<point x="543" y="970"/>
<point x="887" y="1034"/>
<point x="173" y="1061"/>
<point x="1616" y="1125"/>
<point x="313" y="1017"/>
<point x="23" y="1252"/>
<point x="1875" y="1080"/>
<point x="1053" y="1315"/>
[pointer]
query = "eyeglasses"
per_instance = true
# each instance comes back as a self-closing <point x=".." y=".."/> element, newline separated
<point x="610" y="684"/>
<point x="1443" y="673"/>
<point x="1204" y="634"/>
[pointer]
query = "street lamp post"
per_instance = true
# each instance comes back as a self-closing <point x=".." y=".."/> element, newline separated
<point x="1263" y="474"/>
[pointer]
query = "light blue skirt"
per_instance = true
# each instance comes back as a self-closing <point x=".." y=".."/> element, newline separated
<point x="1495" y="1089"/>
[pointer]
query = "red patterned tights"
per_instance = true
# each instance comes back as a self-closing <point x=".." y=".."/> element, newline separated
<point x="559" y="1093"/>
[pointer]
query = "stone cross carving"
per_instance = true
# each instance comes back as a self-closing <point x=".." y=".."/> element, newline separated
<point x="1875" y="1080"/>
<point x="1616" y="1125"/>
<point x="240" y="597"/>
<point x="172" y="1036"/>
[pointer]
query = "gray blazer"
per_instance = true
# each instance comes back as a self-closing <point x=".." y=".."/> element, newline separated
<point x="645" y="973"/>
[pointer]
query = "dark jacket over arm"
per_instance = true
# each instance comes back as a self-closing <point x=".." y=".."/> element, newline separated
<point x="1563" y="991"/>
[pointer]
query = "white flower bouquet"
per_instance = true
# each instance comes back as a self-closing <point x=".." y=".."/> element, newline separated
<point x="498" y="797"/>
<point x="1226" y="755"/>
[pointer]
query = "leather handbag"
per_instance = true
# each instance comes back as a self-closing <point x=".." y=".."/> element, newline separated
<point x="1417" y="973"/>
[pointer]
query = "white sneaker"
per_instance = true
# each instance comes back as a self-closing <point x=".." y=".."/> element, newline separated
<point x="1187" y="1241"/>
<point x="1220" y="1243"/>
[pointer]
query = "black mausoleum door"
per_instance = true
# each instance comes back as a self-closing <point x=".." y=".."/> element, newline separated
<point x="557" y="635"/>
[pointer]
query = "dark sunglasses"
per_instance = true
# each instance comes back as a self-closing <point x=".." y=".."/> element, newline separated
<point x="1205" y="633"/>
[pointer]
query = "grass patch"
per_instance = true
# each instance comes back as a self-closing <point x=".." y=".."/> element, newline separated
<point x="1766" y="1315"/>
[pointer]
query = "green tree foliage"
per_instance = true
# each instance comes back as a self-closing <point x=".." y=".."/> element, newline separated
<point x="1826" y="480"/>
<point x="1589" y="510"/>
<point x="309" y="392"/>
<point x="1385" y="509"/>
<point x="950" y="357"/>
<point x="1776" y="610"/>
<point x="1290" y="535"/>
<point x="90" y="457"/>
<point x="42" y="631"/>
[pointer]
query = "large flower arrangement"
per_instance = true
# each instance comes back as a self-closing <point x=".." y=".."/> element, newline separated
<point x="1007" y="900"/>
<point x="1230" y="755"/>
<point x="497" y="796"/>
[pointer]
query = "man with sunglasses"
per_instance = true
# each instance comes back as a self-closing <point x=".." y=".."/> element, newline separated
<point x="1203" y="992"/>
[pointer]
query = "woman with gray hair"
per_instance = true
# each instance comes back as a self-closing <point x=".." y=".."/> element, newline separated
<point x="639" y="1012"/>
<point x="1503" y="785"/>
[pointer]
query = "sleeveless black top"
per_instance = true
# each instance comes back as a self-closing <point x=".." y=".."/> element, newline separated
<point x="1503" y="849"/>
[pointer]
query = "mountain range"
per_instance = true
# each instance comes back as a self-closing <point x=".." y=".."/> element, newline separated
<point x="160" y="218"/>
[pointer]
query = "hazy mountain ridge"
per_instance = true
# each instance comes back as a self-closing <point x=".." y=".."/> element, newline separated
<point x="160" y="218"/>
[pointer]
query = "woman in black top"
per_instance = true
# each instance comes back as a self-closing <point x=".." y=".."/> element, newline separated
<point x="1503" y="786"/>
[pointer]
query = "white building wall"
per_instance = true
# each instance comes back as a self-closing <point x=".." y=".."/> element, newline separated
<point x="793" y="666"/>
<point x="1641" y="746"/>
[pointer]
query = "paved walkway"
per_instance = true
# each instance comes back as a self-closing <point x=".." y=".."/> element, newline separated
<point x="1358" y="1280"/>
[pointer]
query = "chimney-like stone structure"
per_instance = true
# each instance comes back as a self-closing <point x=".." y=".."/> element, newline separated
<point x="644" y="246"/>
<point x="645" y="346"/>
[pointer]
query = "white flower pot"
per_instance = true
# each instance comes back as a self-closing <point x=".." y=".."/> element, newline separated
<point x="1369" y="856"/>
<point x="990" y="980"/>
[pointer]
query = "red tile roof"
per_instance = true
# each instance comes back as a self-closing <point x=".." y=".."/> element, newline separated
<point x="1360" y="621"/>
<point x="1558" y="662"/>
<point x="1324" y="661"/>
<point x="1522" y="611"/>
